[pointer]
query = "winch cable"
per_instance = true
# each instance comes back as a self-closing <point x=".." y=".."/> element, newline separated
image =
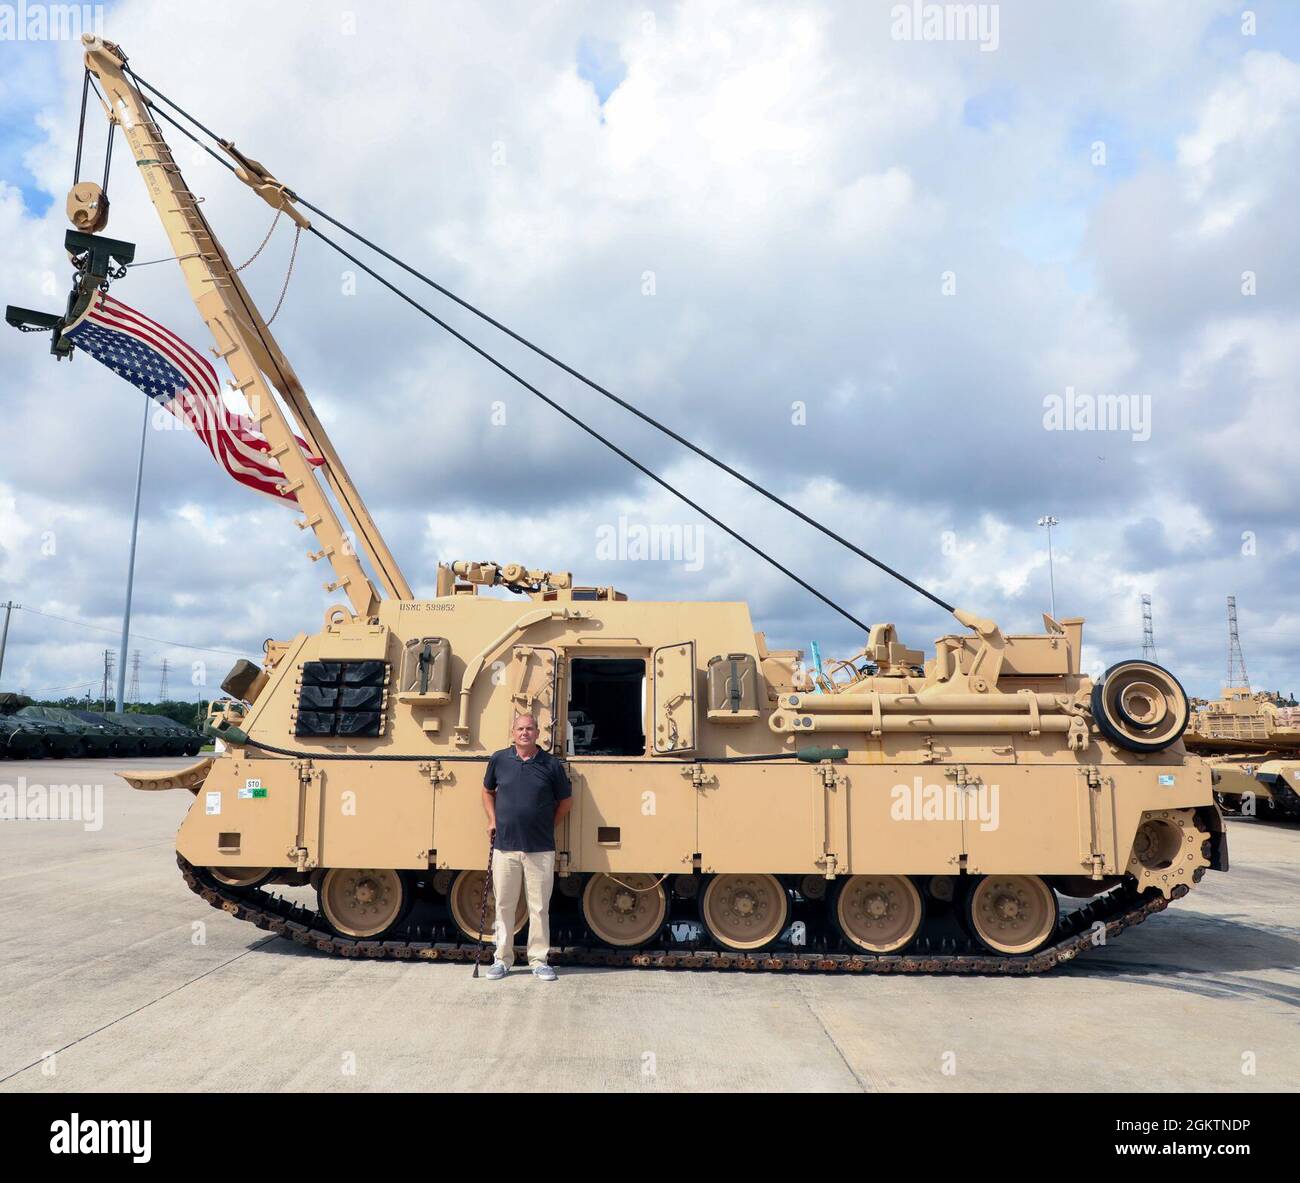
<point x="596" y="386"/>
<point x="591" y="431"/>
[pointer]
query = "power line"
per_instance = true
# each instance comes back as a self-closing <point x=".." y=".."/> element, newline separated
<point x="70" y="686"/>
<point x="138" y="636"/>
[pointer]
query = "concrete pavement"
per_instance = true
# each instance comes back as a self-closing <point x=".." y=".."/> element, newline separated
<point x="115" y="977"/>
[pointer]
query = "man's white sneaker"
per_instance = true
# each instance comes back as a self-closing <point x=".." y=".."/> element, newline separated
<point x="544" y="973"/>
<point x="496" y="971"/>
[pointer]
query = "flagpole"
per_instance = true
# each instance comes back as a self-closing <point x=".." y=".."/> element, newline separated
<point x="130" y="562"/>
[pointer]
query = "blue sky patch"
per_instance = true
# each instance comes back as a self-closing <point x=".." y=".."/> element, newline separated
<point x="18" y="134"/>
<point x="982" y="111"/>
<point x="600" y="64"/>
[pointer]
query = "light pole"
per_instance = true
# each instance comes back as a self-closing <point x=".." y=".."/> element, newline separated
<point x="1049" y="522"/>
<point x="130" y="563"/>
<point x="4" y="636"/>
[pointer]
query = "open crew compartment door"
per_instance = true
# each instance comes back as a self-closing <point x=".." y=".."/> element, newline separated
<point x="674" y="722"/>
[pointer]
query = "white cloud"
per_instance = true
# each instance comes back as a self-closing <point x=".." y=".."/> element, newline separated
<point x="798" y="183"/>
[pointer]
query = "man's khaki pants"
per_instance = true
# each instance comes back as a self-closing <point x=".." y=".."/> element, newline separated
<point x="535" y="871"/>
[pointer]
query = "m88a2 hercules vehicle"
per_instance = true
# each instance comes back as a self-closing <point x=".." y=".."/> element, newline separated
<point x="984" y="808"/>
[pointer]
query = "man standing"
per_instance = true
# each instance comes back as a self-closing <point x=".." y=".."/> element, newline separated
<point x="525" y="794"/>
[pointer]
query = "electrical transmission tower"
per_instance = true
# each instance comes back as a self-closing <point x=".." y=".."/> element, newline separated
<point x="133" y="695"/>
<point x="1148" y="633"/>
<point x="162" y="682"/>
<point x="1237" y="677"/>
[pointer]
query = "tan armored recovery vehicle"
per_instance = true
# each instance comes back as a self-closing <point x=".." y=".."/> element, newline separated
<point x="986" y="807"/>
<point x="1253" y="746"/>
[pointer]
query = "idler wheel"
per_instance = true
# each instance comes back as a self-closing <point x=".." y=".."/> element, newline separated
<point x="878" y="913"/>
<point x="625" y="910"/>
<point x="1012" y="914"/>
<point x="362" y="903"/>
<point x="745" y="912"/>
<point x="465" y="899"/>
<point x="1140" y="706"/>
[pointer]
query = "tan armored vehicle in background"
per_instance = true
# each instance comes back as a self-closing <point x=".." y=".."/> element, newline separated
<point x="984" y="807"/>
<point x="1253" y="745"/>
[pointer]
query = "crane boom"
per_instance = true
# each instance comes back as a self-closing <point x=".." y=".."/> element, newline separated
<point x="245" y="343"/>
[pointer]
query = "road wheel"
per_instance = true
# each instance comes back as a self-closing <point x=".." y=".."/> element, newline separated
<point x="625" y="910"/>
<point x="465" y="899"/>
<point x="745" y="912"/>
<point x="878" y="913"/>
<point x="1012" y="914"/>
<point x="362" y="903"/>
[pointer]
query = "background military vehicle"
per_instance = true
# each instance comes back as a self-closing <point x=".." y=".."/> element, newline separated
<point x="26" y="734"/>
<point x="20" y="738"/>
<point x="25" y="739"/>
<point x="94" y="738"/>
<point x="181" y="740"/>
<point x="1253" y="746"/>
<point x="155" y="739"/>
<point x="907" y="813"/>
<point x="127" y="741"/>
<point x="29" y="730"/>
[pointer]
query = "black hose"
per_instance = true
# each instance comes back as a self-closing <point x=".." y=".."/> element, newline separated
<point x="250" y="742"/>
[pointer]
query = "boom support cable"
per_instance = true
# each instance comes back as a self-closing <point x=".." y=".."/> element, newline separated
<point x="581" y="377"/>
<point x="81" y="128"/>
<point x="591" y="431"/>
<point x="569" y="370"/>
<point x="630" y="407"/>
<point x="533" y="390"/>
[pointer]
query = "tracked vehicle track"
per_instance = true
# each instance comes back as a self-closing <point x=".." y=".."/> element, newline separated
<point x="1118" y="909"/>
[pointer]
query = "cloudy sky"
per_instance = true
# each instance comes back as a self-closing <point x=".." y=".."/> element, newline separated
<point x="861" y="264"/>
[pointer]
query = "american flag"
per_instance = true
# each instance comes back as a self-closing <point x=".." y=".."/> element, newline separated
<point x="182" y="380"/>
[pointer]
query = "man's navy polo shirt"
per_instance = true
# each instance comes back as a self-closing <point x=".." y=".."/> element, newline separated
<point x="526" y="792"/>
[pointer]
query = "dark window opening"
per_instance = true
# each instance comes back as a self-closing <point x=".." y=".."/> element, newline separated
<point x="607" y="706"/>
